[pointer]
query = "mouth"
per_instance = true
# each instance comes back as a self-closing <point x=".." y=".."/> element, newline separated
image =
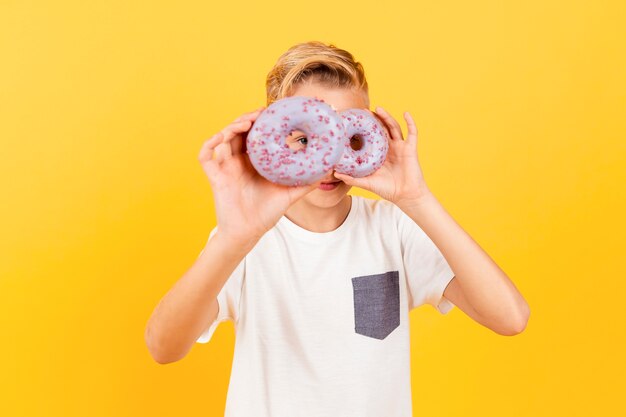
<point x="329" y="185"/>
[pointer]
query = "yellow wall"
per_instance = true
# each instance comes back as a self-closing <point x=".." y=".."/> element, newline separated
<point x="521" y="109"/>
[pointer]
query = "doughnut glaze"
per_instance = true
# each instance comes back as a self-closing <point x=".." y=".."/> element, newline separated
<point x="329" y="136"/>
<point x="272" y="157"/>
<point x="372" y="136"/>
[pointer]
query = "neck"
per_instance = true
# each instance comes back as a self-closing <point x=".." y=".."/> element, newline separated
<point x="319" y="219"/>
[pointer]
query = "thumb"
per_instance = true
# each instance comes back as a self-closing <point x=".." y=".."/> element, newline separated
<point x="357" y="182"/>
<point x="297" y="192"/>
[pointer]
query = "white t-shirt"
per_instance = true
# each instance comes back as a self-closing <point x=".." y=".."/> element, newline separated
<point x="322" y="319"/>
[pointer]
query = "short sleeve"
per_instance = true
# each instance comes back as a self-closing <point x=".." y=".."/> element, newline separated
<point x="426" y="270"/>
<point x="227" y="299"/>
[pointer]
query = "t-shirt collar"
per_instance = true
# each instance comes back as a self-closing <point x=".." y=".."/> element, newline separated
<point x="285" y="224"/>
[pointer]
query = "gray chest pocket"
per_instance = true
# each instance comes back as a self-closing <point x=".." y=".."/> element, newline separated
<point x="376" y="304"/>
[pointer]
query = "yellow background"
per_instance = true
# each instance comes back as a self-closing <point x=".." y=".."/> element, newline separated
<point x="521" y="110"/>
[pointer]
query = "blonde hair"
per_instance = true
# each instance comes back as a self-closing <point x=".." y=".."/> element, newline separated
<point x="314" y="61"/>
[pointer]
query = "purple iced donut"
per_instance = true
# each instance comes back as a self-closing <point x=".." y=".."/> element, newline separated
<point x="272" y="157"/>
<point x="364" y="126"/>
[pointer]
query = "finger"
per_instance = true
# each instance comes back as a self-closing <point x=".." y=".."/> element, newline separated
<point x="249" y="114"/>
<point x="211" y="168"/>
<point x="383" y="124"/>
<point x="356" y="182"/>
<point x="233" y="142"/>
<point x="208" y="147"/>
<point x="238" y="143"/>
<point x="232" y="132"/>
<point x="296" y="193"/>
<point x="210" y="165"/>
<point x="394" y="126"/>
<point x="236" y="128"/>
<point x="222" y="152"/>
<point x="411" y="129"/>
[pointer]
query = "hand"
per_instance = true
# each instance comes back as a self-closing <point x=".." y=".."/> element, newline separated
<point x="399" y="179"/>
<point x="247" y="205"/>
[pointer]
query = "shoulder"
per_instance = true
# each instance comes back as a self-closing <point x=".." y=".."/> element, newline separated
<point x="385" y="213"/>
<point x="377" y="210"/>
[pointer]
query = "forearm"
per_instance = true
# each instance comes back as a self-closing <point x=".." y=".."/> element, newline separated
<point x="484" y="285"/>
<point x="183" y="313"/>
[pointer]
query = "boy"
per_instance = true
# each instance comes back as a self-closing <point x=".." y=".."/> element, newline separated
<point x="319" y="283"/>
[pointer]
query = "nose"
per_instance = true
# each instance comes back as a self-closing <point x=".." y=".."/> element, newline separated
<point x="331" y="177"/>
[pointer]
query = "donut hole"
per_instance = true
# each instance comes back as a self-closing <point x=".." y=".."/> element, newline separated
<point x="296" y="140"/>
<point x="356" y="142"/>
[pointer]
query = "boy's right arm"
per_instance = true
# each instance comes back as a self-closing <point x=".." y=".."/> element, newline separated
<point x="246" y="206"/>
<point x="183" y="313"/>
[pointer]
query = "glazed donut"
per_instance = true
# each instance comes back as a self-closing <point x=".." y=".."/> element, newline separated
<point x="272" y="157"/>
<point x="364" y="127"/>
<point x="329" y="136"/>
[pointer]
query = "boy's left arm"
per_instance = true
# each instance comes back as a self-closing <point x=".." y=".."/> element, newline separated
<point x="479" y="288"/>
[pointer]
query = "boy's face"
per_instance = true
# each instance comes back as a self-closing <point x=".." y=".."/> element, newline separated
<point x="329" y="194"/>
